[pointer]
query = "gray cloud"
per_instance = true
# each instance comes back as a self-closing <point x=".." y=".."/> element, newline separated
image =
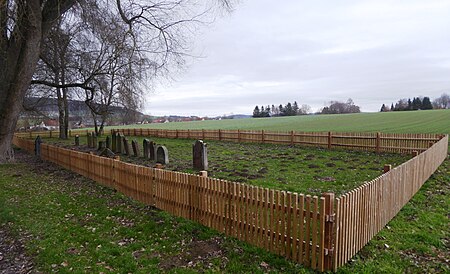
<point x="314" y="51"/>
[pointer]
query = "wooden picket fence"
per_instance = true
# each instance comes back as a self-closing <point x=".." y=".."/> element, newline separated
<point x="378" y="142"/>
<point x="322" y="233"/>
<point x="369" y="141"/>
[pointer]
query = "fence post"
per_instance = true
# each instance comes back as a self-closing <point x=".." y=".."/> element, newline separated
<point x="220" y="135"/>
<point x="189" y="134"/>
<point x="329" y="223"/>
<point x="51" y="133"/>
<point x="387" y="168"/>
<point x="292" y="138"/>
<point x="239" y="135"/>
<point x="263" y="137"/>
<point x="378" y="142"/>
<point x="329" y="139"/>
<point x="203" y="134"/>
<point x="415" y="153"/>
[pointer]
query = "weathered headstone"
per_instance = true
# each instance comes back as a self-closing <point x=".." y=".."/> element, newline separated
<point x="162" y="155"/>
<point x="119" y="143"/>
<point x="77" y="140"/>
<point x="101" y="145"/>
<point x="152" y="148"/>
<point x="126" y="146"/>
<point x="37" y="146"/>
<point x="146" y="146"/>
<point x="113" y="143"/>
<point x="89" y="139"/>
<point x="107" y="153"/>
<point x="94" y="140"/>
<point x="135" y="146"/>
<point x="200" y="155"/>
<point x="108" y="142"/>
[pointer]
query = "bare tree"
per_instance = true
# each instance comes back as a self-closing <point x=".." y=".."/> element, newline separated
<point x="442" y="102"/>
<point x="24" y="25"/>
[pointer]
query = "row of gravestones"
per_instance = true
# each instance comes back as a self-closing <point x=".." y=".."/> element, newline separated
<point x="118" y="143"/>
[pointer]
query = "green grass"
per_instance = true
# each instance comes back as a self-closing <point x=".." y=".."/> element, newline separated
<point x="291" y="168"/>
<point x="75" y="225"/>
<point x="424" y="121"/>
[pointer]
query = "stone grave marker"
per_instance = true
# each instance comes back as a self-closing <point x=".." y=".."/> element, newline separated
<point x="77" y="140"/>
<point x="146" y="146"/>
<point x="119" y="143"/>
<point x="200" y="155"/>
<point x="101" y="145"/>
<point x="113" y="142"/>
<point x="93" y="140"/>
<point x="135" y="146"/>
<point x="162" y="155"/>
<point x="152" y="149"/>
<point x="126" y="146"/>
<point x="107" y="153"/>
<point x="108" y="142"/>
<point x="89" y="140"/>
<point x="37" y="146"/>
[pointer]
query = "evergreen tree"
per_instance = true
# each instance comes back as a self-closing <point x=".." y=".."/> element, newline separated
<point x="295" y="109"/>
<point x="426" y="103"/>
<point x="392" y="107"/>
<point x="410" y="105"/>
<point x="256" y="112"/>
<point x="288" y="110"/>
<point x="383" y="108"/>
<point x="281" y="108"/>
<point x="416" y="103"/>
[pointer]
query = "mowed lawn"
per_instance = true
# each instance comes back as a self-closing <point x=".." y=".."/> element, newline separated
<point x="422" y="121"/>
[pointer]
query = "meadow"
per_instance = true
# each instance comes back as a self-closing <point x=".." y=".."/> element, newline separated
<point x="423" y="121"/>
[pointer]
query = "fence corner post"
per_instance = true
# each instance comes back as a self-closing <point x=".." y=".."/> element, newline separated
<point x="387" y="168"/>
<point x="329" y="229"/>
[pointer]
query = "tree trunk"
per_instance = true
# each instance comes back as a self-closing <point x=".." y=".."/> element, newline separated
<point x="18" y="60"/>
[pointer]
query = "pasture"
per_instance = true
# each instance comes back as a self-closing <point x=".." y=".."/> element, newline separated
<point x="424" y="121"/>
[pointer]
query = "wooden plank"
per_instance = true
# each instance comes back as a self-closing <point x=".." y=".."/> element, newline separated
<point x="314" y="233"/>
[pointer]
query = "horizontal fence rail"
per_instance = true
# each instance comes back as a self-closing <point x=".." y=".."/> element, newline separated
<point x="319" y="232"/>
<point x="378" y="142"/>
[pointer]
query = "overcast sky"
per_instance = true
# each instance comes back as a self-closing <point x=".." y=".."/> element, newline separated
<point x="274" y="52"/>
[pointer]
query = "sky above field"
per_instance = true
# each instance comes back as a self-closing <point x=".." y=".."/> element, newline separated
<point x="312" y="52"/>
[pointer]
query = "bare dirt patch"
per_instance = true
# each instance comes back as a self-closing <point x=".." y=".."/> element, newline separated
<point x="13" y="258"/>
<point x="197" y="252"/>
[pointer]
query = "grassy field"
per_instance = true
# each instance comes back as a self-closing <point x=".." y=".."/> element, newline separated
<point x="71" y="224"/>
<point x="426" y="121"/>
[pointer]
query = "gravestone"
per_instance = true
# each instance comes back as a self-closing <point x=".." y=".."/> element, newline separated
<point x="152" y="149"/>
<point x="146" y="146"/>
<point x="200" y="155"/>
<point x="101" y="145"/>
<point x="94" y="140"/>
<point x="135" y="146"/>
<point x="162" y="155"/>
<point x="37" y="146"/>
<point x="108" y="142"/>
<point x="126" y="146"/>
<point x="107" y="153"/>
<point x="113" y="142"/>
<point x="77" y="140"/>
<point x="88" y="139"/>
<point x="119" y="143"/>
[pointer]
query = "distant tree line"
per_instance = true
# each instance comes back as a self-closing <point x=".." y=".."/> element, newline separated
<point x="418" y="103"/>
<point x="287" y="110"/>
<point x="337" y="107"/>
